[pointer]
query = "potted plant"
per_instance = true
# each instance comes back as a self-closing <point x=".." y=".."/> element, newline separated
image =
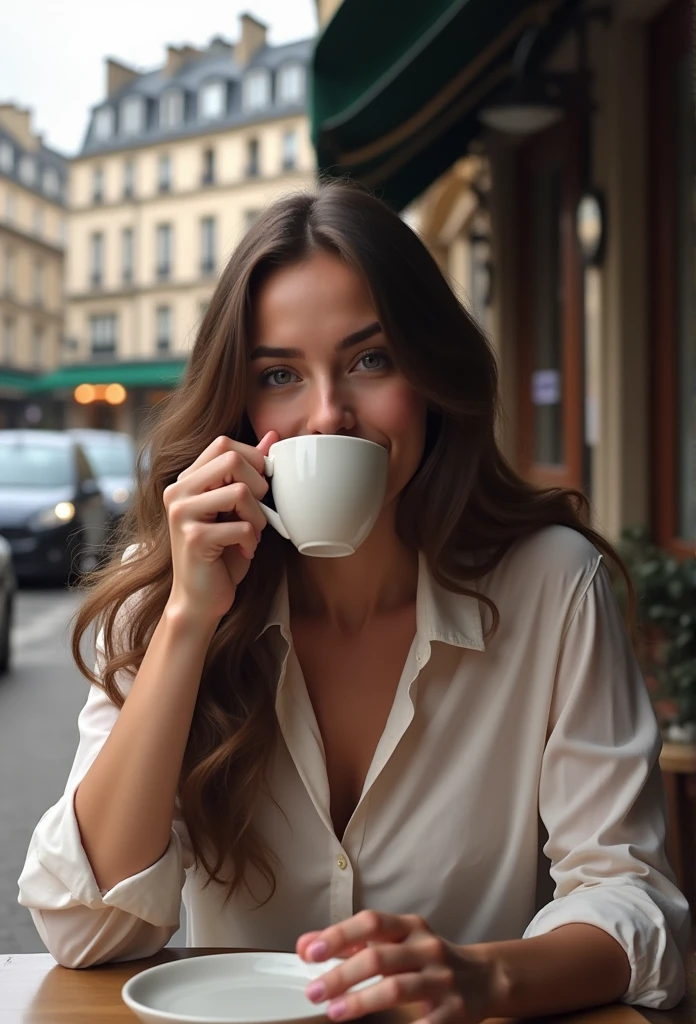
<point x="665" y="630"/>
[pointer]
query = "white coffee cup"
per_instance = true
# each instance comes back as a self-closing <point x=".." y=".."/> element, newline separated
<point x="328" y="490"/>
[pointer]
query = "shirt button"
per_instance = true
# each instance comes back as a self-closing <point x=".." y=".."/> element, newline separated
<point x="342" y="863"/>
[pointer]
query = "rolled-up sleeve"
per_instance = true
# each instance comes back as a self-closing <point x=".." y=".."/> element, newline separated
<point x="602" y="802"/>
<point x="80" y="924"/>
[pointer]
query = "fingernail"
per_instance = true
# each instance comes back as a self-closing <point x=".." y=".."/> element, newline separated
<point x="316" y="991"/>
<point x="336" y="1010"/>
<point x="317" y="951"/>
<point x="258" y="536"/>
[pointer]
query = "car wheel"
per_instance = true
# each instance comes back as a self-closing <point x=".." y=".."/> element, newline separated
<point x="5" y="634"/>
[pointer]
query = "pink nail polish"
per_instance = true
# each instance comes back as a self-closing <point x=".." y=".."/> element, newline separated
<point x="336" y="1010"/>
<point x="316" y="991"/>
<point x="317" y="950"/>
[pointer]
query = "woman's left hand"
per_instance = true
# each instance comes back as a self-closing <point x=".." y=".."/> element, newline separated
<point x="452" y="984"/>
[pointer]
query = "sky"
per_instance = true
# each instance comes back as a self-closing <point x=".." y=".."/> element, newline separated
<point x="52" y="51"/>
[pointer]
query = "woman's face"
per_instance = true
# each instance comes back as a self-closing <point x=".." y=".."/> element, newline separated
<point x="320" y="364"/>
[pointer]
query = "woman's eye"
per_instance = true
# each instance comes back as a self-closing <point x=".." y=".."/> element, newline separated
<point x="277" y="378"/>
<point x="373" y="361"/>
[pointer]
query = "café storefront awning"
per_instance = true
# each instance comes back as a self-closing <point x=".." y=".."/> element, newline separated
<point x="142" y="374"/>
<point x="397" y="84"/>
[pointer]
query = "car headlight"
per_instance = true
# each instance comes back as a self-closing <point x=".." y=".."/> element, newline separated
<point x="57" y="515"/>
<point x="120" y="495"/>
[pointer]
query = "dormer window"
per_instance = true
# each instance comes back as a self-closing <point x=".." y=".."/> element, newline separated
<point x="212" y="100"/>
<point x="171" y="109"/>
<point x="291" y="84"/>
<point x="27" y="170"/>
<point x="104" y="123"/>
<point x="256" y="89"/>
<point x="6" y="157"/>
<point x="51" y="182"/>
<point x="132" y="115"/>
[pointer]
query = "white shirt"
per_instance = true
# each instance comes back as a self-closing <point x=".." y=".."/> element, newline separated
<point x="549" y="719"/>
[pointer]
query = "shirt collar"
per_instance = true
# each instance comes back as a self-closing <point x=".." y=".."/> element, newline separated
<point x="441" y="615"/>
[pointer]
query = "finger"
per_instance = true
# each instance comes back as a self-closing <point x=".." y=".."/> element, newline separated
<point x="367" y="926"/>
<point x="384" y="959"/>
<point x="235" y="498"/>
<point x="229" y="468"/>
<point x="266" y="441"/>
<point x="304" y="942"/>
<point x="416" y="987"/>
<point x="451" y="1010"/>
<point x="212" y="539"/>
<point x="220" y="446"/>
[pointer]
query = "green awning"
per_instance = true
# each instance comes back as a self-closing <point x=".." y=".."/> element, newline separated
<point x="157" y="374"/>
<point x="396" y="84"/>
<point x="16" y="384"/>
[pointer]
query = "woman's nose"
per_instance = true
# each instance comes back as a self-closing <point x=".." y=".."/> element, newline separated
<point x="330" y="413"/>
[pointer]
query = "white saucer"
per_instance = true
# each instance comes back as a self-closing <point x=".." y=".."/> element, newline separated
<point x="228" y="988"/>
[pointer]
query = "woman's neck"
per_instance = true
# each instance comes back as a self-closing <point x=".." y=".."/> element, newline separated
<point x="380" y="577"/>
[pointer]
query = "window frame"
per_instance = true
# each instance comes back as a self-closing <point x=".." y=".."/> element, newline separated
<point x="282" y="76"/>
<point x="132" y="103"/>
<point x="252" y="80"/>
<point x="206" y="89"/>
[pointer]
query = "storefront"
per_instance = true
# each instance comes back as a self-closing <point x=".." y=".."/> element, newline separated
<point x="544" y="150"/>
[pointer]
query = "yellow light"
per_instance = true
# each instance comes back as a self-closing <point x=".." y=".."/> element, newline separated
<point x="84" y="394"/>
<point x="65" y="511"/>
<point x="115" y="394"/>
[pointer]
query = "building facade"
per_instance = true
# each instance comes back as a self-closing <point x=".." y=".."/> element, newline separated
<point x="33" y="182"/>
<point x="176" y="164"/>
<point x="548" y="162"/>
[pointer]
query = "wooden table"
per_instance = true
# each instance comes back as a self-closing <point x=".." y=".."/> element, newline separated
<point x="35" y="990"/>
<point x="678" y="763"/>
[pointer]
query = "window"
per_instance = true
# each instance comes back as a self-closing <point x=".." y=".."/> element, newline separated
<point x="164" y="174"/>
<point x="10" y="272"/>
<point x="212" y="100"/>
<point x="6" y="157"/>
<point x="102" y="330"/>
<point x="38" y="220"/>
<point x="51" y="182"/>
<point x="27" y="170"/>
<point x="171" y="109"/>
<point x="164" y="251"/>
<point x="253" y="160"/>
<point x="289" y="151"/>
<point x="10" y="207"/>
<point x="127" y="255"/>
<point x="104" y="123"/>
<point x="128" y="179"/>
<point x="38" y="283"/>
<point x="132" y="115"/>
<point x="208" y="176"/>
<point x="256" y="90"/>
<point x="96" y="259"/>
<point x="208" y="245"/>
<point x="98" y="185"/>
<point x="9" y="339"/>
<point x="291" y="84"/>
<point x="164" y="328"/>
<point x="250" y="217"/>
<point x="37" y="346"/>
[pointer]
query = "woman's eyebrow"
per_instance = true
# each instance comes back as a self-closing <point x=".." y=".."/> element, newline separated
<point x="267" y="352"/>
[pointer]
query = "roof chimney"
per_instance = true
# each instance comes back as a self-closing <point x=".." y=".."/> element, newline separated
<point x="118" y="75"/>
<point x="18" y="123"/>
<point x="177" y="56"/>
<point x="253" y="37"/>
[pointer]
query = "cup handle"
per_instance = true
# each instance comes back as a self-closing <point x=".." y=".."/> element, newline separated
<point x="272" y="517"/>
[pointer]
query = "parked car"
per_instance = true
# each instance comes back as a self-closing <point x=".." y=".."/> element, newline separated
<point x="8" y="587"/>
<point x="112" y="457"/>
<point x="51" y="507"/>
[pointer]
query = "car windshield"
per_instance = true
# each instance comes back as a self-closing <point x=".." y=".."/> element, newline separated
<point x="35" y="465"/>
<point x="111" y="458"/>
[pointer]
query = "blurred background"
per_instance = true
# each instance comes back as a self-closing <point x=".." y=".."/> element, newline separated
<point x="544" y="151"/>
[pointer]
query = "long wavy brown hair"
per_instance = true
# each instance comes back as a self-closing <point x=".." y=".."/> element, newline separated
<point x="464" y="508"/>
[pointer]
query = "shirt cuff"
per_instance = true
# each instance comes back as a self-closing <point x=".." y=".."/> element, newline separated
<point x="629" y="915"/>
<point x="60" y="875"/>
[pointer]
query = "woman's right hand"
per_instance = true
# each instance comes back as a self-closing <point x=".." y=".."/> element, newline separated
<point x="210" y="558"/>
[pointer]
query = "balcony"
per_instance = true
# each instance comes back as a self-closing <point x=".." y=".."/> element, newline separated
<point x="164" y="272"/>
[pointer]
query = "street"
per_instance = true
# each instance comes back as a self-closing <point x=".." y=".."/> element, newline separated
<point x="40" y="700"/>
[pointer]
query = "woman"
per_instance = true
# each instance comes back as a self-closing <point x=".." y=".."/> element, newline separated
<point x="352" y="756"/>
